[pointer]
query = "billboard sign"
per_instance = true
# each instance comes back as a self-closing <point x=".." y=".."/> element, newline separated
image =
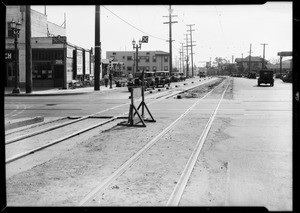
<point x="79" y="63"/>
<point x="285" y="54"/>
<point x="87" y="63"/>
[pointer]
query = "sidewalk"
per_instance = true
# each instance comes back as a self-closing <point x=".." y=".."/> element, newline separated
<point x="56" y="91"/>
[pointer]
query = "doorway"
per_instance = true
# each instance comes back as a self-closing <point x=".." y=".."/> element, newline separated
<point x="58" y="75"/>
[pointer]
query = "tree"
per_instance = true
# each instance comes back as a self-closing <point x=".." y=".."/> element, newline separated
<point x="220" y="62"/>
<point x="230" y="69"/>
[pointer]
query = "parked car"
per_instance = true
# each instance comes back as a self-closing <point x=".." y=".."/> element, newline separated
<point x="175" y="78"/>
<point x="182" y="77"/>
<point x="162" y="78"/>
<point x="202" y="75"/>
<point x="252" y="75"/>
<point x="266" y="77"/>
<point x="149" y="80"/>
<point x="287" y="77"/>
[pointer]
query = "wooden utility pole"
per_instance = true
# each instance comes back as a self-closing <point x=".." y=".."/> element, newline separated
<point x="191" y="45"/>
<point x="182" y="58"/>
<point x="28" y="50"/>
<point x="97" y="48"/>
<point x="170" y="36"/>
<point x="263" y="63"/>
<point x="187" y="57"/>
<point x="250" y="58"/>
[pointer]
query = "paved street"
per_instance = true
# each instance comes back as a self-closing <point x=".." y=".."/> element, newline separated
<point x="251" y="140"/>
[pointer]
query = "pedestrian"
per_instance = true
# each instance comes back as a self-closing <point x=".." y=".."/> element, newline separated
<point x="106" y="79"/>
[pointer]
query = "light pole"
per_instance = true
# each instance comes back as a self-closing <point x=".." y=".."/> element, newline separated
<point x="137" y="47"/>
<point x="16" y="27"/>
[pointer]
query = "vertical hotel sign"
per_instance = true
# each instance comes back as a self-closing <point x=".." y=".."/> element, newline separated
<point x="87" y="63"/>
<point x="79" y="64"/>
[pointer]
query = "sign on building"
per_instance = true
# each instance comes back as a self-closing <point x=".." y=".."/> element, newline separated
<point x="59" y="39"/>
<point x="285" y="54"/>
<point x="79" y="62"/>
<point x="9" y="56"/>
<point x="87" y="63"/>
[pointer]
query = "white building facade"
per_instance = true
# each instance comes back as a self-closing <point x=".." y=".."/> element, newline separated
<point x="147" y="60"/>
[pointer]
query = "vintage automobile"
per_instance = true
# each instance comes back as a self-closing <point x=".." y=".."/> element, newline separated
<point x="162" y="78"/>
<point x="175" y="78"/>
<point x="149" y="80"/>
<point x="252" y="75"/>
<point x="202" y="75"/>
<point x="266" y="77"/>
<point x="182" y="77"/>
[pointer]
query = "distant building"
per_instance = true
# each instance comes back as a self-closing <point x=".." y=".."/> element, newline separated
<point x="147" y="60"/>
<point x="55" y="62"/>
<point x="256" y="63"/>
<point x="286" y="66"/>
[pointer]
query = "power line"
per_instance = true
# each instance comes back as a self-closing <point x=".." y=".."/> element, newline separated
<point x="133" y="25"/>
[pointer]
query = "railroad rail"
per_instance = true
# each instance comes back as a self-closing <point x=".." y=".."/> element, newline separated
<point x="180" y="186"/>
<point x="160" y="96"/>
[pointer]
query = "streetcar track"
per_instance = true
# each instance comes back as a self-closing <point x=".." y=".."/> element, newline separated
<point x="58" y="140"/>
<point x="181" y="183"/>
<point x="36" y="125"/>
<point x="102" y="186"/>
<point x="16" y="157"/>
<point x="85" y="117"/>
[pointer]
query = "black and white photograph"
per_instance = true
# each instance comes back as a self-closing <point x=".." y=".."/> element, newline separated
<point x="149" y="105"/>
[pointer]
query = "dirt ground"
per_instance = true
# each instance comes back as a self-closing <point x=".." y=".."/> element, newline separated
<point x="67" y="177"/>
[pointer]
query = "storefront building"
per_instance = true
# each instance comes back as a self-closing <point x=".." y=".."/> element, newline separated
<point x="55" y="62"/>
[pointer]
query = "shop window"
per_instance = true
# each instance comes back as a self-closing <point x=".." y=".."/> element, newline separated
<point x="10" y="33"/>
<point x="10" y="69"/>
<point x="42" y="70"/>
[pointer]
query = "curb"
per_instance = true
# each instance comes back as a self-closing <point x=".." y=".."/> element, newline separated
<point x="56" y="93"/>
<point x="50" y="94"/>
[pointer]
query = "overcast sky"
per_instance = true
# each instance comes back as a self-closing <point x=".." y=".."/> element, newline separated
<point x="219" y="30"/>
